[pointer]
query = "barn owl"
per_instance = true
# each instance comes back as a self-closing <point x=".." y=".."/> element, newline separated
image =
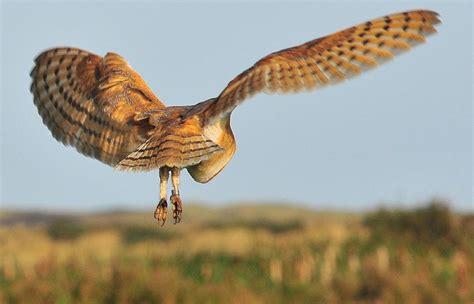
<point x="104" y="109"/>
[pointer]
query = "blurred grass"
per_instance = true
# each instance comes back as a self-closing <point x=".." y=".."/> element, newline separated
<point x="246" y="254"/>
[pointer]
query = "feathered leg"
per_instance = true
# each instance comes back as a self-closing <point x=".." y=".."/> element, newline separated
<point x="161" y="209"/>
<point x="175" y="199"/>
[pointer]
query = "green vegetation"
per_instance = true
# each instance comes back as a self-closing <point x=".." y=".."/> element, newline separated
<point x="429" y="228"/>
<point x="64" y="229"/>
<point x="134" y="234"/>
<point x="251" y="254"/>
<point x="265" y="224"/>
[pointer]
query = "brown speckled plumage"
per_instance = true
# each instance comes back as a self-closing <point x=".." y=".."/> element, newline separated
<point x="104" y="109"/>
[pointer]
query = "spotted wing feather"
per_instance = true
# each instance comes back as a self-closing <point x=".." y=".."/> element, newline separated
<point x="98" y="105"/>
<point x="325" y="60"/>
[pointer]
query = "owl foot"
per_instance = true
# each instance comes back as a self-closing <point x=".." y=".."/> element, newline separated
<point x="177" y="207"/>
<point x="161" y="211"/>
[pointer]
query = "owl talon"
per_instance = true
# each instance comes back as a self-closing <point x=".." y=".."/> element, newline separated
<point x="161" y="211"/>
<point x="177" y="207"/>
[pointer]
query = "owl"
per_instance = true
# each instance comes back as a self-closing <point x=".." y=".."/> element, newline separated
<point x="103" y="108"/>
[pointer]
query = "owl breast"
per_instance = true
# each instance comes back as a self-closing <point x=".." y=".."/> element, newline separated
<point x="220" y="133"/>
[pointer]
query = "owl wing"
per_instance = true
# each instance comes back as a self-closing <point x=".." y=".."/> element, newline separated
<point x="325" y="60"/>
<point x="98" y="105"/>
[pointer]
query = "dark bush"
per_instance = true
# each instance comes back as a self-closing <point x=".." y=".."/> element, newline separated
<point x="431" y="225"/>
<point x="264" y="224"/>
<point x="134" y="234"/>
<point x="64" y="229"/>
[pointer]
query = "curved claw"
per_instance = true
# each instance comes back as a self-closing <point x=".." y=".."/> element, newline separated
<point x="177" y="207"/>
<point x="161" y="211"/>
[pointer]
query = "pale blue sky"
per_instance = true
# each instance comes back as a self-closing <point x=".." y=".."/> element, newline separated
<point x="397" y="135"/>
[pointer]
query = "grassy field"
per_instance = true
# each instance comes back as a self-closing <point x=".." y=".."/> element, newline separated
<point x="245" y="254"/>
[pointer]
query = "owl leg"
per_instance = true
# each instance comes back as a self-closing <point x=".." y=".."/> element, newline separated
<point x="161" y="209"/>
<point x="175" y="199"/>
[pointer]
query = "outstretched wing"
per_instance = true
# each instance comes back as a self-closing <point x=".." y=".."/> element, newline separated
<point x="98" y="105"/>
<point x="325" y="60"/>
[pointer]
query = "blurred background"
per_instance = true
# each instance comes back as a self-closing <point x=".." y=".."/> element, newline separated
<point x="368" y="199"/>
